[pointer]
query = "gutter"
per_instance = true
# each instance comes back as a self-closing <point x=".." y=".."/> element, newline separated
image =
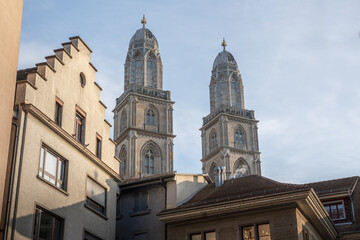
<point x="19" y="178"/>
<point x="11" y="185"/>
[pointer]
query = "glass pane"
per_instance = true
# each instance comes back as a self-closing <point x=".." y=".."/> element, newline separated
<point x="42" y="158"/>
<point x="249" y="233"/>
<point x="50" y="163"/>
<point x="264" y="232"/>
<point x="61" y="170"/>
<point x="210" y="236"/>
<point x="333" y="211"/>
<point x="136" y="202"/>
<point x="195" y="237"/>
<point x="46" y="226"/>
<point x="341" y="210"/>
<point x="144" y="201"/>
<point x="95" y="192"/>
<point x="57" y="230"/>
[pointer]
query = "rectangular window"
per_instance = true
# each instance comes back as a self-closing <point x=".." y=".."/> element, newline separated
<point x="256" y="232"/>
<point x="80" y="127"/>
<point x="47" y="225"/>
<point x="58" y="112"/>
<point x="141" y="201"/>
<point x="52" y="167"/>
<point x="89" y="236"/>
<point x="203" y="236"/>
<point x="95" y="196"/>
<point x="98" y="146"/>
<point x="335" y="210"/>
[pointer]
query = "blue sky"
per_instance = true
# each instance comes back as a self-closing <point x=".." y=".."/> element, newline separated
<point x="299" y="60"/>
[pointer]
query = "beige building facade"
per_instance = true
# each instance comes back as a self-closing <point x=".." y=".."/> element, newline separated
<point x="65" y="176"/>
<point x="143" y="116"/>
<point x="229" y="133"/>
<point x="10" y="25"/>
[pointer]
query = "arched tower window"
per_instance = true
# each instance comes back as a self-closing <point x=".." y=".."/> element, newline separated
<point x="241" y="168"/>
<point x="150" y="117"/>
<point x="123" y="121"/>
<point x="213" y="140"/>
<point x="123" y="158"/>
<point x="149" y="162"/>
<point x="211" y="171"/>
<point x="240" y="138"/>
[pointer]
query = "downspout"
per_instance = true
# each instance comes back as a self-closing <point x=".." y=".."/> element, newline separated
<point x="12" y="172"/>
<point x="19" y="177"/>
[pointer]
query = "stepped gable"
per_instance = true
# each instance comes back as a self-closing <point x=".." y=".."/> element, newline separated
<point x="241" y="188"/>
<point x="61" y="56"/>
<point x="335" y="185"/>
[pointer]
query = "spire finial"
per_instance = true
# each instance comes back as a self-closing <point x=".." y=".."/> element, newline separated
<point x="224" y="44"/>
<point x="143" y="21"/>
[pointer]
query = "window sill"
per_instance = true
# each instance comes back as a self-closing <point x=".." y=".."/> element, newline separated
<point x="134" y="214"/>
<point x="50" y="184"/>
<point x="97" y="213"/>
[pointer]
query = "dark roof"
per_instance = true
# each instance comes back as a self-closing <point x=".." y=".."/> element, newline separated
<point x="241" y="188"/>
<point x="22" y="74"/>
<point x="147" y="179"/>
<point x="334" y="186"/>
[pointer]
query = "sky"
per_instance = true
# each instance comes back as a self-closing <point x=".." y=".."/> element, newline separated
<point x="299" y="61"/>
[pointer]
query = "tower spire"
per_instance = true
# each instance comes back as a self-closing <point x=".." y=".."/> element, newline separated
<point x="224" y="44"/>
<point x="143" y="21"/>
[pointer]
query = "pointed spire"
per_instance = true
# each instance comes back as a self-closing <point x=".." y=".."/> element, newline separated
<point x="143" y="21"/>
<point x="224" y="44"/>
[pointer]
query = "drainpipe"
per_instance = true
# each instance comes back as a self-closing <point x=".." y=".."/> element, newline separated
<point x="12" y="172"/>
<point x="19" y="177"/>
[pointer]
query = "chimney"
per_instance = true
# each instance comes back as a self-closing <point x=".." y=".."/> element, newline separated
<point x="219" y="176"/>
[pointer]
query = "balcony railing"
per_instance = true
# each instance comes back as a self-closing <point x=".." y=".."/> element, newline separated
<point x="229" y="110"/>
<point x="153" y="92"/>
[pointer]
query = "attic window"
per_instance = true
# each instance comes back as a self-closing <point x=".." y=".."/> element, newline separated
<point x="82" y="79"/>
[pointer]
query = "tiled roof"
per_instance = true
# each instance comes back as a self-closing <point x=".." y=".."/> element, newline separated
<point x="146" y="179"/>
<point x="241" y="188"/>
<point x="334" y="186"/>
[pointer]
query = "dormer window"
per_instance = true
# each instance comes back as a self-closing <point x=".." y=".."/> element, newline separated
<point x="335" y="210"/>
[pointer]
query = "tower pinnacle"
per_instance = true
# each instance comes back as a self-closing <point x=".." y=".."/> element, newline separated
<point x="143" y="21"/>
<point x="224" y="44"/>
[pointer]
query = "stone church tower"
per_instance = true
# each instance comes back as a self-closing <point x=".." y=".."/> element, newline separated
<point x="143" y="116"/>
<point x="229" y="133"/>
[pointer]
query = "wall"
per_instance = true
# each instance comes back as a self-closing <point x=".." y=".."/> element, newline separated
<point x="10" y="25"/>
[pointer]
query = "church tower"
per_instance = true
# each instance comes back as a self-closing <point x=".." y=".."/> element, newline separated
<point x="229" y="133"/>
<point x="143" y="116"/>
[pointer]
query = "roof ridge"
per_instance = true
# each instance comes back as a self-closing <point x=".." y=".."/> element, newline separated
<point x="336" y="179"/>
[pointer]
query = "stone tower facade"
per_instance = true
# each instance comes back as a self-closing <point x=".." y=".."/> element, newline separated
<point x="143" y="116"/>
<point x="229" y="133"/>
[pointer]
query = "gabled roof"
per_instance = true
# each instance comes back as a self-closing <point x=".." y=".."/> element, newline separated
<point x="241" y="188"/>
<point x="334" y="186"/>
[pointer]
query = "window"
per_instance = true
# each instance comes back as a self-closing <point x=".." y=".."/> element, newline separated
<point x="335" y="210"/>
<point x="58" y="112"/>
<point x="123" y="158"/>
<point x="82" y="79"/>
<point x="89" y="236"/>
<point x="80" y="127"/>
<point x="47" y="225"/>
<point x="141" y="201"/>
<point x="213" y="141"/>
<point x="123" y="121"/>
<point x="95" y="196"/>
<point x="239" y="137"/>
<point x="150" y="117"/>
<point x="98" y="146"/>
<point x="149" y="162"/>
<point x="206" y="236"/>
<point x="256" y="232"/>
<point x="52" y="167"/>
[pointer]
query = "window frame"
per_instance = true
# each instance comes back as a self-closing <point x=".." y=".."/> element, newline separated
<point x="150" y="117"/>
<point x="79" y="113"/>
<point x="151" y="162"/>
<point x="98" y="146"/>
<point x="37" y="218"/>
<point x="58" y="111"/>
<point x="93" y="203"/>
<point x="335" y="203"/>
<point x="256" y="230"/>
<point x="42" y="172"/>
<point x="202" y="234"/>
<point x="138" y="198"/>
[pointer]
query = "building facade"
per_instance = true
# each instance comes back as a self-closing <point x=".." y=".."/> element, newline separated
<point x="143" y="116"/>
<point x="64" y="181"/>
<point x="229" y="133"/>
<point x="10" y="25"/>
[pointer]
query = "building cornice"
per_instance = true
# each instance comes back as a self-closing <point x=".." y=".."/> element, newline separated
<point x="28" y="107"/>
<point x="229" y="116"/>
<point x="220" y="150"/>
<point x="124" y="135"/>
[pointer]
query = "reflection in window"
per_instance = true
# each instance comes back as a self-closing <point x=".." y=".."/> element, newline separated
<point x="195" y="236"/>
<point x="335" y="210"/>
<point x="141" y="201"/>
<point x="47" y="225"/>
<point x="52" y="167"/>
<point x="262" y="232"/>
<point x="210" y="236"/>
<point x="249" y="233"/>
